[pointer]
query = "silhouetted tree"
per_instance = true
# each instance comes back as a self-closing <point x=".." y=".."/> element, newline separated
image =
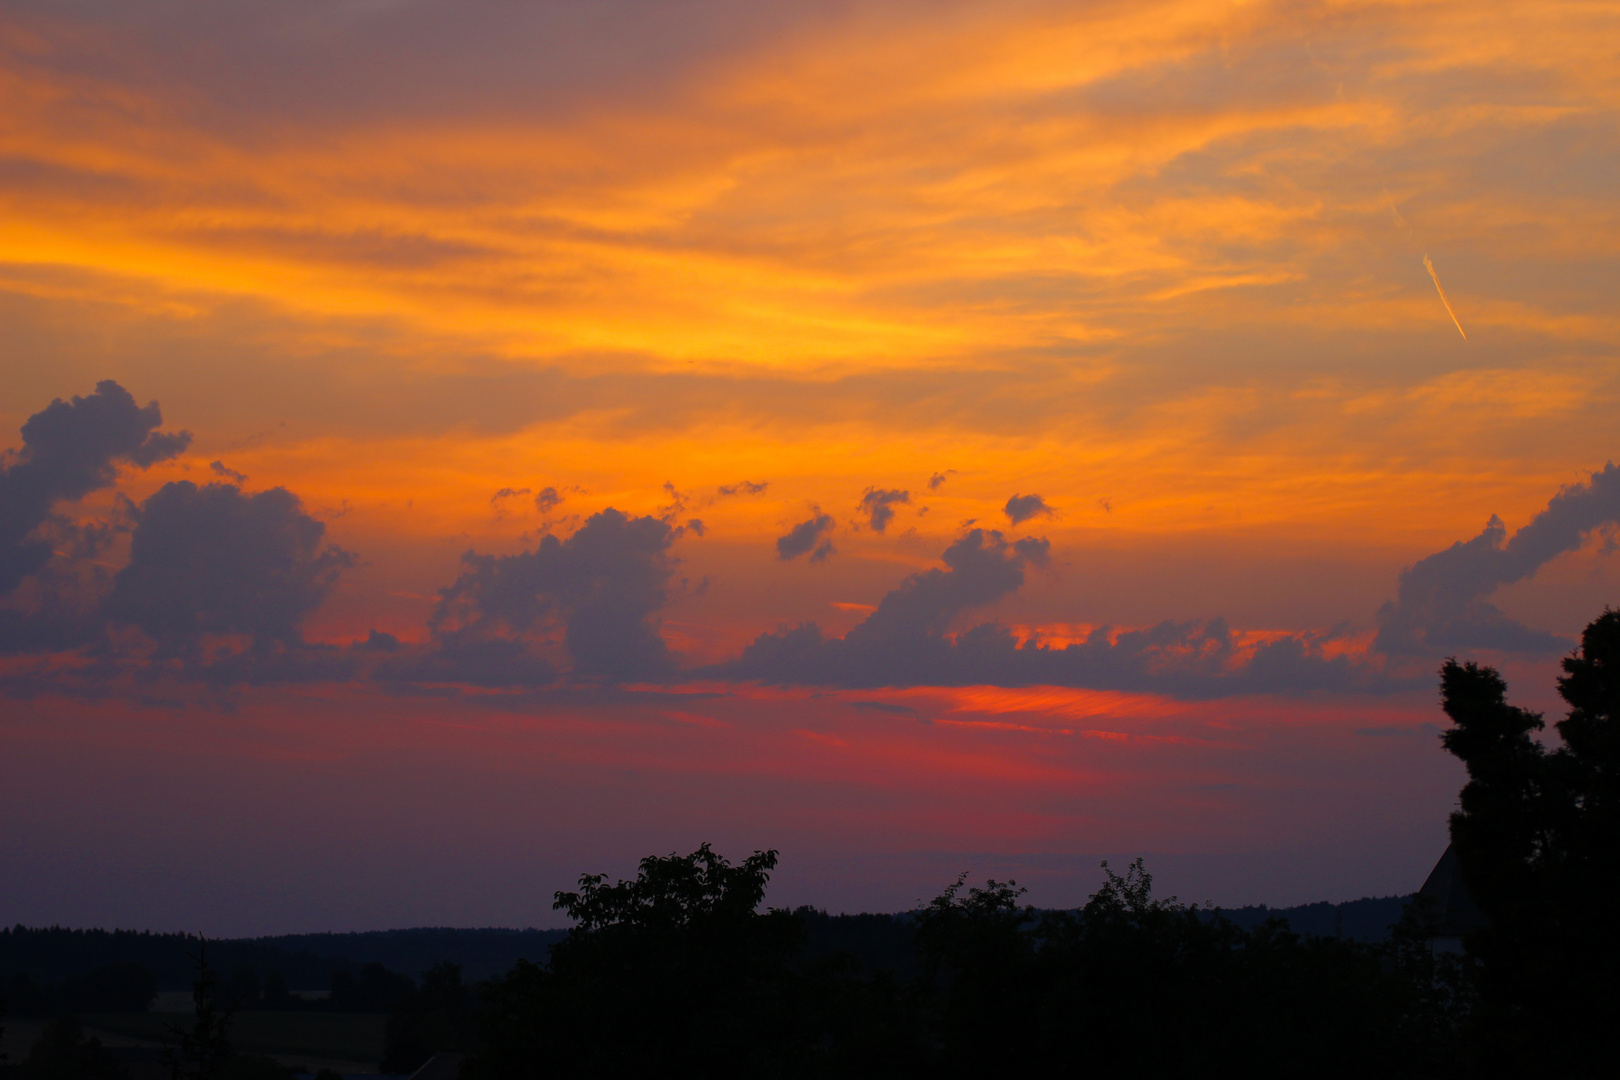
<point x="670" y="972"/>
<point x="677" y="973"/>
<point x="979" y="959"/>
<point x="1146" y="985"/>
<point x="202" y="1052"/>
<point x="1537" y="838"/>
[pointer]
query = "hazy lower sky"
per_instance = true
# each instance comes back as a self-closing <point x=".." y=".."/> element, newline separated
<point x="918" y="436"/>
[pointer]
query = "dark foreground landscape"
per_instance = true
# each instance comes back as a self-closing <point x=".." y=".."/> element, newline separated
<point x="1504" y="965"/>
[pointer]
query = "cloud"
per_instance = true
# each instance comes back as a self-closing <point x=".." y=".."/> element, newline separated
<point x="807" y="536"/>
<point x="548" y="500"/>
<point x="882" y="707"/>
<point x="747" y="487"/>
<point x="1020" y="508"/>
<point x="71" y="448"/>
<point x="878" y="506"/>
<point x="939" y="478"/>
<point x="602" y="587"/>
<point x="219" y="469"/>
<point x="462" y="657"/>
<point x="1441" y="604"/>
<point x="213" y="560"/>
<point x="903" y="640"/>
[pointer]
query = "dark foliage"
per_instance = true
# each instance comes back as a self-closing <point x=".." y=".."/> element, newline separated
<point x="678" y="970"/>
<point x="1131" y="983"/>
<point x="1537" y="840"/>
<point x="672" y="968"/>
<point x="435" y="1017"/>
<point x="878" y="942"/>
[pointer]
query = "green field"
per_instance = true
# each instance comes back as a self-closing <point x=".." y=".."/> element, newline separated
<point x="354" y="1037"/>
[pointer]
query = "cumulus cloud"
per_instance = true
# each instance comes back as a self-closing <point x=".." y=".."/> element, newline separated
<point x="1020" y="508"/>
<point x="807" y="536"/>
<point x="747" y="487"/>
<point x="1442" y="601"/>
<point x="905" y="642"/>
<point x="878" y="506"/>
<point x="71" y="448"/>
<point x="213" y="560"/>
<point x="602" y="587"/>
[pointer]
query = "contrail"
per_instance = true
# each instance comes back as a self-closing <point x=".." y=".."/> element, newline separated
<point x="1430" y="266"/>
<point x="1394" y="210"/>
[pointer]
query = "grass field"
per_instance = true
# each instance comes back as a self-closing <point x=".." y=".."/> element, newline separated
<point x="356" y="1037"/>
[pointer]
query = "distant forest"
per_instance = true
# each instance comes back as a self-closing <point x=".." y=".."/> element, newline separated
<point x="57" y="957"/>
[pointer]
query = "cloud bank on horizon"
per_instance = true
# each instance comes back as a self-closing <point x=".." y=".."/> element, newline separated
<point x="218" y="582"/>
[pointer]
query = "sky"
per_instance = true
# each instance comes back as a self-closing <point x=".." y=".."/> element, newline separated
<point x="453" y="448"/>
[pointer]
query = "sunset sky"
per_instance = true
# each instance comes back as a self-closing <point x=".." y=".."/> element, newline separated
<point x="922" y="437"/>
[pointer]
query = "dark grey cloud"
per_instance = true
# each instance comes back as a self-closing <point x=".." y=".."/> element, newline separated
<point x="1020" y="508"/>
<point x="219" y="469"/>
<point x="807" y="536"/>
<point x="878" y="506"/>
<point x="462" y="656"/>
<point x="214" y="560"/>
<point x="71" y="448"/>
<point x="602" y="587"/>
<point x="1442" y="601"/>
<point x="746" y="487"/>
<point x="905" y="642"/>
<point x="939" y="478"/>
<point x="548" y="500"/>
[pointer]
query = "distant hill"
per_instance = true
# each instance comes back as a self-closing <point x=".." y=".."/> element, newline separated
<point x="308" y="961"/>
<point x="51" y="954"/>
<point x="481" y="953"/>
<point x="1367" y="919"/>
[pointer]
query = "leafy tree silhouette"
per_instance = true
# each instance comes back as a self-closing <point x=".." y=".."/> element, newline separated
<point x="1537" y="839"/>
<point x="673" y="971"/>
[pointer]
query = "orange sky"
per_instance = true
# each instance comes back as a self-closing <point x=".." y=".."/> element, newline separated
<point x="1162" y="264"/>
